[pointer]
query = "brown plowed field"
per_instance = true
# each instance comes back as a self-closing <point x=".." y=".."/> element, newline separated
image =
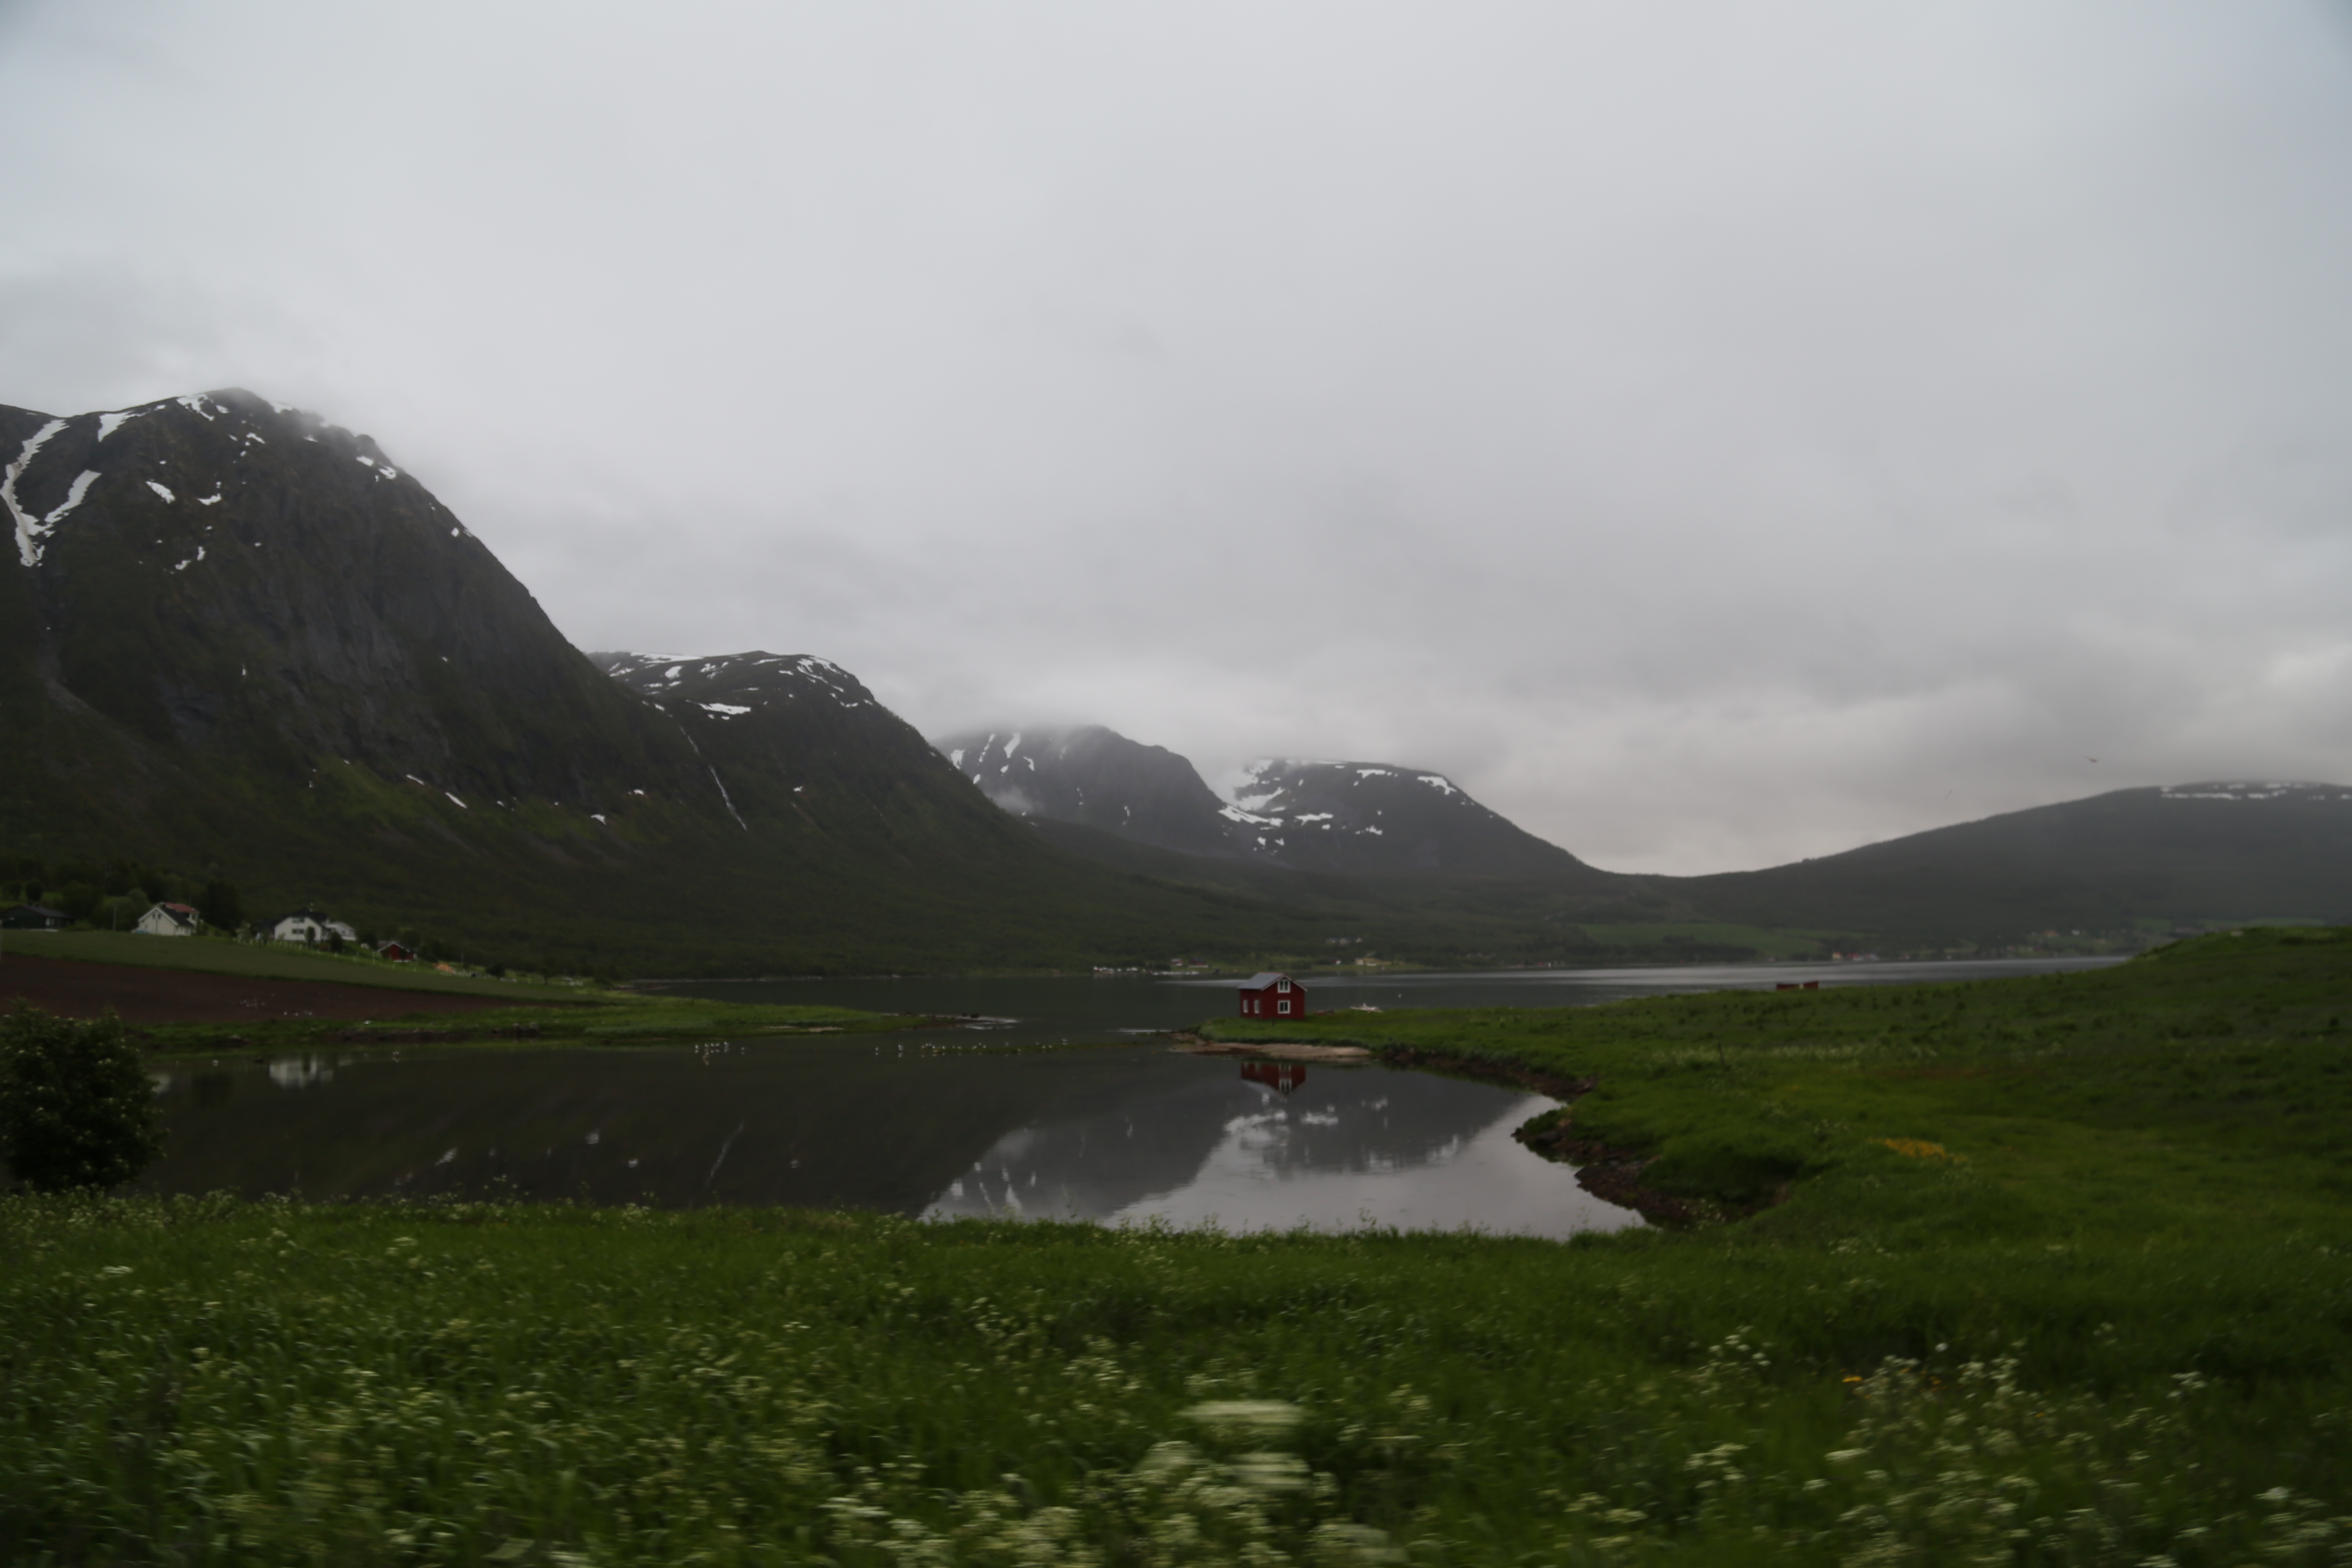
<point x="79" y="990"/>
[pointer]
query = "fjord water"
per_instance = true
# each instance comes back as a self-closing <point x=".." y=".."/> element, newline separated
<point x="938" y="1123"/>
<point x="1104" y="1007"/>
<point x="992" y="1115"/>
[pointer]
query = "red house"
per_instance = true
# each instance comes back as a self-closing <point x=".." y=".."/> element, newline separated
<point x="1272" y="996"/>
<point x="398" y="952"/>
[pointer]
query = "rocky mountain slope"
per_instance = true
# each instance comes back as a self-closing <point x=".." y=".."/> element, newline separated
<point x="216" y="577"/>
<point x="235" y="637"/>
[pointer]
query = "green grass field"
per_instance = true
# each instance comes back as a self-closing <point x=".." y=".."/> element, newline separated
<point x="2061" y="1274"/>
<point x="546" y="1014"/>
<point x="269" y="961"/>
<point x="608" y="1018"/>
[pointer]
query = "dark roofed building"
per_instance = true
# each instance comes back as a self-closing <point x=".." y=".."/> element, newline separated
<point x="33" y="917"/>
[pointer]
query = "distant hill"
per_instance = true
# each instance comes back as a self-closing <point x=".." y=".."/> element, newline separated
<point x="2125" y="865"/>
<point x="2189" y="854"/>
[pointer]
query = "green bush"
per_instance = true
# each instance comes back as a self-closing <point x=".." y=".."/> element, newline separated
<point x="76" y="1110"/>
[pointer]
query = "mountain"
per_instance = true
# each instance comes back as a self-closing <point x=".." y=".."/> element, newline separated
<point x="797" y="742"/>
<point x="236" y="638"/>
<point x="1368" y="839"/>
<point x="214" y="576"/>
<point x="2187" y="855"/>
<point x="1358" y="819"/>
<point x="1376" y="819"/>
<point x="1098" y="778"/>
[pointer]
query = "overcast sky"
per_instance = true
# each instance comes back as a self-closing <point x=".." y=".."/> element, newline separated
<point x="1713" y="433"/>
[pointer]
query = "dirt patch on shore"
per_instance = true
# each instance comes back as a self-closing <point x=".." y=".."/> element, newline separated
<point x="75" y="989"/>
<point x="1276" y="1050"/>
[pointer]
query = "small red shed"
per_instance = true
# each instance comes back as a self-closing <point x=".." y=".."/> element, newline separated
<point x="398" y="952"/>
<point x="1273" y="996"/>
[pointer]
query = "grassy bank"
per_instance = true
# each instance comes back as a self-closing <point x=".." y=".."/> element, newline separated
<point x="2204" y="1081"/>
<point x="2063" y="1275"/>
<point x="272" y="961"/>
<point x="601" y="1018"/>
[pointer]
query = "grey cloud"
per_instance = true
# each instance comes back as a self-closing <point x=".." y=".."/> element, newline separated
<point x="1713" y="435"/>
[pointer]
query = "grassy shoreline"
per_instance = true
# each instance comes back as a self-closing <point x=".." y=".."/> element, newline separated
<point x="276" y="960"/>
<point x="2054" y="1271"/>
<point x="609" y="1021"/>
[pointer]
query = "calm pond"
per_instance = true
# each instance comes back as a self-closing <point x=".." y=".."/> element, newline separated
<point x="988" y="1118"/>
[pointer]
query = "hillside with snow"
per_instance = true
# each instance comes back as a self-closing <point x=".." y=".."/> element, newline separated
<point x="1349" y="819"/>
<point x="1376" y="818"/>
<point x="234" y="634"/>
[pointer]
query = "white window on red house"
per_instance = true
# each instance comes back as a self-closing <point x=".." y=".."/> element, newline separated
<point x="1282" y="985"/>
<point x="1285" y="1006"/>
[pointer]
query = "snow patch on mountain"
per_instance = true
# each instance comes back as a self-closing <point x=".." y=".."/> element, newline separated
<point x="2249" y="790"/>
<point x="33" y="533"/>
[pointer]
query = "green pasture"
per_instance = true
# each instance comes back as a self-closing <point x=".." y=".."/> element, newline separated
<point x="270" y="961"/>
<point x="2051" y="1271"/>
<point x="606" y="1018"/>
<point x="2201" y="1076"/>
<point x="544" y="1014"/>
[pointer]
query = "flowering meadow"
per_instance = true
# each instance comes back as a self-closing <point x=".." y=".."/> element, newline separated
<point x="2059" y="1273"/>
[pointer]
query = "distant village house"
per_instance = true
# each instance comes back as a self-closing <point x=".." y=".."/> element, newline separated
<point x="311" y="926"/>
<point x="397" y="951"/>
<point x="1272" y="996"/>
<point x="170" y="920"/>
<point x="33" y="917"/>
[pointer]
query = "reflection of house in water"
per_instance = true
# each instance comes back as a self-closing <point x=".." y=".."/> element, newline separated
<point x="1280" y="1077"/>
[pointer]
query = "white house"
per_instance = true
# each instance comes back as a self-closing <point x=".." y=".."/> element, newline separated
<point x="169" y="919"/>
<point x="309" y="925"/>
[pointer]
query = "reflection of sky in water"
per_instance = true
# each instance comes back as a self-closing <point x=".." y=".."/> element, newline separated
<point x="1351" y="1147"/>
<point x="908" y="1126"/>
